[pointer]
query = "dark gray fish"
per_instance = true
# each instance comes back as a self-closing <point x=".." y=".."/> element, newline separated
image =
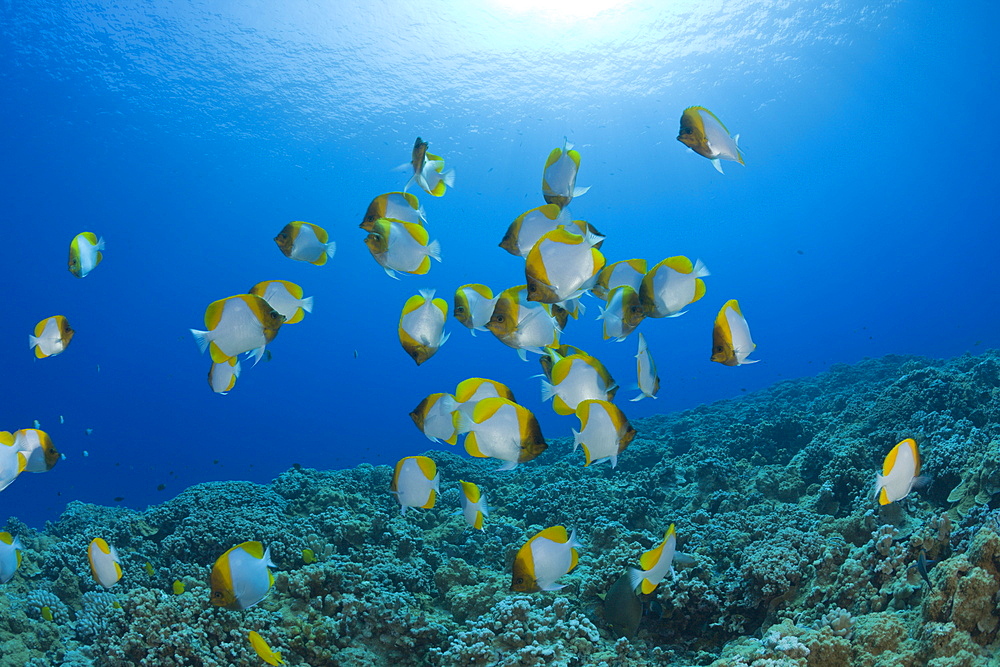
<point x="622" y="608"/>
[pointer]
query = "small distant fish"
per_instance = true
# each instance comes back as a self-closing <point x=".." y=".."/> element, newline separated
<point x="222" y="376"/>
<point x="238" y="324"/>
<point x="60" y="420"/>
<point x="415" y="483"/>
<point x="622" y="313"/>
<point x="308" y="556"/>
<point x="550" y="554"/>
<point x="562" y="266"/>
<point x="731" y="342"/>
<point x="622" y="607"/>
<point x="900" y="473"/>
<point x="532" y="225"/>
<point x="604" y="432"/>
<point x="704" y="133"/>
<point x="305" y="242"/>
<point x="52" y="336"/>
<point x="148" y="567"/>
<point x="240" y="577"/>
<point x="577" y="378"/>
<point x="284" y="297"/>
<point x="502" y="429"/>
<point x="85" y="253"/>
<point x="649" y="381"/>
<point x="421" y="326"/>
<point x="625" y="272"/>
<point x="46" y="613"/>
<point x="435" y="417"/>
<point x="473" y="504"/>
<point x="12" y="460"/>
<point x="85" y="452"/>
<point x="38" y="424"/>
<point x="263" y="650"/>
<point x="402" y="206"/>
<point x="38" y="449"/>
<point x="672" y="285"/>
<point x="519" y="324"/>
<point x="472" y="390"/>
<point x="922" y="566"/>
<point x="403" y="247"/>
<point x="10" y="556"/>
<point x="655" y="563"/>
<point x="474" y="306"/>
<point x="559" y="176"/>
<point x="104" y="563"/>
<point x="178" y="587"/>
<point x="428" y="171"/>
<point x="88" y="431"/>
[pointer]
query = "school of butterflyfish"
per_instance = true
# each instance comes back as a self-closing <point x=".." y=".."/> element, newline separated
<point x="562" y="263"/>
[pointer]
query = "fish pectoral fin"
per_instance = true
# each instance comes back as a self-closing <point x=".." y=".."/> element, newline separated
<point x="717" y="163"/>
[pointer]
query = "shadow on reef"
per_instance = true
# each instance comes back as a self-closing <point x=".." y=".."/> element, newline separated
<point x="793" y="563"/>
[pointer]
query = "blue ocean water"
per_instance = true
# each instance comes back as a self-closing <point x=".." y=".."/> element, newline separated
<point x="188" y="134"/>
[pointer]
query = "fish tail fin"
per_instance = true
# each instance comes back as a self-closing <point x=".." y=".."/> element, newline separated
<point x="331" y="248"/>
<point x="548" y="390"/>
<point x="448" y="178"/>
<point x="577" y="439"/>
<point x="306" y="304"/>
<point x="635" y="578"/>
<point x="200" y="337"/>
<point x="463" y="422"/>
<point x="100" y="244"/>
<point x="428" y="294"/>
<point x="434" y="250"/>
<point x="573" y="542"/>
<point x="33" y="341"/>
<point x="700" y="270"/>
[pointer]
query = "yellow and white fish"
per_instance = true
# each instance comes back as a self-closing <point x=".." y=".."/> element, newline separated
<point x="649" y="381"/>
<point x="604" y="432"/>
<point x="671" y="285"/>
<point x="474" y="304"/>
<point x="550" y="554"/>
<point x="401" y="246"/>
<point x="622" y="313"/>
<point x="559" y="177"/>
<point x="263" y="650"/>
<point x="428" y="171"/>
<point x="305" y="242"/>
<point x="655" y="563"/>
<point x="222" y="376"/>
<point x="562" y="266"/>
<point x="900" y="473"/>
<point x="415" y="483"/>
<point x="731" y="343"/>
<point x="240" y="577"/>
<point x="473" y="504"/>
<point x="421" y="325"/>
<point x="85" y="253"/>
<point x="577" y="378"/>
<point x="435" y="417"/>
<point x="626" y="272"/>
<point x="284" y="297"/>
<point x="37" y="447"/>
<point x="554" y="354"/>
<point x="472" y="390"/>
<point x="238" y="324"/>
<point x="52" y="336"/>
<point x="532" y="225"/>
<point x="104" y="563"/>
<point x="402" y="206"/>
<point x="502" y="429"/>
<point x="12" y="460"/>
<point x="521" y="325"/>
<point x="10" y="556"/>
<point x="704" y="133"/>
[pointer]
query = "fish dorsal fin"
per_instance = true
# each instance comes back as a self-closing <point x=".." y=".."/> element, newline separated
<point x="413" y="303"/>
<point x="427" y="466"/>
<point x="883" y="497"/>
<point x="481" y="290"/>
<point x="418" y="232"/>
<point x="638" y="264"/>
<point x="254" y="548"/>
<point x="466" y="388"/>
<point x="411" y="199"/>
<point x="649" y="559"/>
<point x="471" y="491"/>
<point x="562" y="368"/>
<point x="441" y="305"/>
<point x="472" y="446"/>
<point x="425" y="266"/>
<point x="488" y="407"/>
<point x="553" y="157"/>
<point x="550" y="211"/>
<point x="681" y="264"/>
<point x="212" y="314"/>
<point x="583" y="412"/>
<point x="555" y="533"/>
<point x="562" y="235"/>
<point x="699" y="289"/>
<point x="890" y="460"/>
<point x="478" y="523"/>
<point x="90" y="236"/>
<point x="575" y="157"/>
<point x="320" y="233"/>
<point x="912" y="444"/>
<point x="293" y="289"/>
<point x="6" y="438"/>
<point x="648" y="586"/>
<point x="574" y="557"/>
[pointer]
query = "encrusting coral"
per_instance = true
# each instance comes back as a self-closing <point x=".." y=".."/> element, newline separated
<point x="790" y="561"/>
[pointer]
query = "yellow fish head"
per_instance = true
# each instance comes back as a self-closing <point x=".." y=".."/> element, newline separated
<point x="419" y="155"/>
<point x="523" y="579"/>
<point x="539" y="291"/>
<point x="378" y="237"/>
<point x="461" y="311"/>
<point x="692" y="132"/>
<point x="286" y="238"/>
<point x="503" y="322"/>
<point x="375" y="211"/>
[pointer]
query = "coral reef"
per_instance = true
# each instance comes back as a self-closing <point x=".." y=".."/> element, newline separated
<point x="791" y="560"/>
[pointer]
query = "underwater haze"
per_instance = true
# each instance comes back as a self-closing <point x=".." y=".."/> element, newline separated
<point x="862" y="226"/>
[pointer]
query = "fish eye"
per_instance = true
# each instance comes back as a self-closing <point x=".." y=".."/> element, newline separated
<point x="519" y="580"/>
<point x="459" y="309"/>
<point x="718" y="348"/>
<point x="216" y="594"/>
<point x="532" y="288"/>
<point x="498" y="318"/>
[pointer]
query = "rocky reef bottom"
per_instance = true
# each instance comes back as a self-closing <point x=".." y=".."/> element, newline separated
<point x="792" y="560"/>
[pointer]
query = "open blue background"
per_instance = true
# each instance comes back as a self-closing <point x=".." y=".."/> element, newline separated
<point x="189" y="134"/>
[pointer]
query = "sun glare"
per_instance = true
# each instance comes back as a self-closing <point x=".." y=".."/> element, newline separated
<point x="563" y="11"/>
